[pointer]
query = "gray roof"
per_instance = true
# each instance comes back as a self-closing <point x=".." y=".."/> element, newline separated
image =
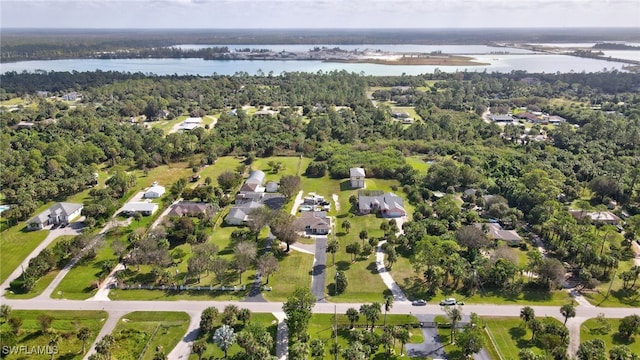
<point x="241" y="211"/>
<point x="497" y="233"/>
<point x="63" y="208"/>
<point x="356" y="172"/>
<point x="501" y="117"/>
<point x="385" y="201"/>
<point x="256" y="177"/>
<point x="139" y="207"/>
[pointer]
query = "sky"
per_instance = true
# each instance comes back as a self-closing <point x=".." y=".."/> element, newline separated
<point x="213" y="14"/>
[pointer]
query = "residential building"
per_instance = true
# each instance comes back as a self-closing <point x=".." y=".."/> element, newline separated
<point x="190" y="208"/>
<point x="314" y="222"/>
<point x="501" y="118"/>
<point x="240" y="212"/>
<point x="596" y="217"/>
<point x="256" y="177"/>
<point x="58" y="214"/>
<point x="144" y="208"/>
<point x="495" y="232"/>
<point x="386" y="204"/>
<point x="357" y="177"/>
<point x="155" y="191"/>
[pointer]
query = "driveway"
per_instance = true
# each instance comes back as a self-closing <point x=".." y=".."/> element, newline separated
<point x="319" y="273"/>
<point x="432" y="347"/>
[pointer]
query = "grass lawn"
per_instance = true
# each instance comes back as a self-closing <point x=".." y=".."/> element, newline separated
<point x="77" y="284"/>
<point x="321" y="327"/>
<point x="510" y="336"/>
<point x="418" y="163"/>
<point x="589" y="330"/>
<point x="291" y="165"/>
<point x="139" y="333"/>
<point x="44" y="281"/>
<point x="409" y="110"/>
<point x="618" y="297"/>
<point x="65" y="323"/>
<point x="165" y="175"/>
<point x="213" y="351"/>
<point x="224" y="163"/>
<point x="15" y="245"/>
<point x="83" y="196"/>
<point x="13" y="101"/>
<point x="294" y="271"/>
<point x="167" y="125"/>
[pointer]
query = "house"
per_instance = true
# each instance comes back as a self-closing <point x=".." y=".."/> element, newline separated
<point x="72" y="96"/>
<point x="256" y="177"/>
<point x="501" y="118"/>
<point x="556" y="120"/>
<point x="495" y="232"/>
<point x="58" y="214"/>
<point x="387" y="204"/>
<point x="356" y="176"/>
<point x="155" y="191"/>
<point x="240" y="212"/>
<point x="530" y="117"/>
<point x="400" y="115"/>
<point x="190" y="208"/>
<point x="314" y="222"/>
<point x="192" y="120"/>
<point x="596" y="217"/>
<point x="188" y="127"/>
<point x="272" y="187"/>
<point x="144" y="208"/>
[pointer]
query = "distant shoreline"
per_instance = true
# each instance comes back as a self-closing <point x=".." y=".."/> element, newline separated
<point x="450" y="60"/>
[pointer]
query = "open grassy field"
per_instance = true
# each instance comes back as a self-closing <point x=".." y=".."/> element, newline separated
<point x="224" y="163"/>
<point x="322" y="327"/>
<point x="139" y="333"/>
<point x="294" y="271"/>
<point x="291" y="165"/>
<point x="65" y="323"/>
<point x="510" y="336"/>
<point x="44" y="281"/>
<point x="167" y="125"/>
<point x="16" y="243"/>
<point x="618" y="297"/>
<point x="213" y="352"/>
<point x="591" y="329"/>
<point x="418" y="163"/>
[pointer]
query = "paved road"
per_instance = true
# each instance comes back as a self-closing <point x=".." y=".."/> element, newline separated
<point x="183" y="349"/>
<point x="107" y="328"/>
<point x="319" y="272"/>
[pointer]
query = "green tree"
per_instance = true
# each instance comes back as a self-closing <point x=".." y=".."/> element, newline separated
<point x="199" y="347"/>
<point x="353" y="315"/>
<point x="105" y="346"/>
<point x="244" y="315"/>
<point x="364" y="235"/>
<point x="371" y="312"/>
<point x="568" y="311"/>
<point x="592" y="350"/>
<point x="54" y="341"/>
<point x="346" y="226"/>
<point x="16" y="324"/>
<point x="536" y="326"/>
<point x="470" y="341"/>
<point x="388" y="304"/>
<point x="527" y="314"/>
<point x="403" y="336"/>
<point x="267" y="265"/>
<point x="5" y="311"/>
<point x="298" y="311"/>
<point x="629" y="325"/>
<point x="224" y="338"/>
<point x="208" y="318"/>
<point x="332" y="247"/>
<point x="84" y="334"/>
<point x="45" y="323"/>
<point x="289" y="185"/>
<point x="317" y="349"/>
<point x="621" y="352"/>
<point x="341" y="282"/>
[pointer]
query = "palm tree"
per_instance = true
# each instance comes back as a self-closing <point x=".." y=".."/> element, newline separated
<point x="388" y="304"/>
<point x="5" y="311"/>
<point x="353" y="315"/>
<point x="224" y="337"/>
<point x="455" y="314"/>
<point x="568" y="311"/>
<point x="53" y="343"/>
<point x="346" y="226"/>
<point x="403" y="335"/>
<point x="364" y="236"/>
<point x="371" y="312"/>
<point x="83" y="335"/>
<point x="199" y="347"/>
<point x="527" y="314"/>
<point x="392" y="257"/>
<point x="332" y="247"/>
<point x="244" y="315"/>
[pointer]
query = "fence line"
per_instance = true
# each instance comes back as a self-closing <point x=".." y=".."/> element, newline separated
<point x="493" y="342"/>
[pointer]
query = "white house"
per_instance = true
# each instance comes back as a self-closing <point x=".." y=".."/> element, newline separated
<point x="154" y="191"/>
<point x="58" y="214"/>
<point x="144" y="208"/>
<point x="356" y="175"/>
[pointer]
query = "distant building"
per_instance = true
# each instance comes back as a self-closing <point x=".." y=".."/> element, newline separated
<point x="189" y="208"/>
<point x="501" y="118"/>
<point x="144" y="208"/>
<point x="154" y="191"/>
<point x="58" y="214"/>
<point x="357" y="177"/>
<point x="596" y="217"/>
<point x="387" y="204"/>
<point x="495" y="232"/>
<point x="556" y="120"/>
<point x="72" y="96"/>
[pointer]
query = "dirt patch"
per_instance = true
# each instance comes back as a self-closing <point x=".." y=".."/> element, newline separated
<point x="336" y="201"/>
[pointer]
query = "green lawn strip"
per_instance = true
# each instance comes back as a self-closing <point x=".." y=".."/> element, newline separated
<point x="294" y="271"/>
<point x="44" y="281"/>
<point x="65" y="323"/>
<point x="15" y="245"/>
<point x="141" y="329"/>
<point x="223" y="163"/>
<point x="77" y="284"/>
<point x="510" y="336"/>
<point x="165" y="175"/>
<point x="167" y="125"/>
<point x="589" y="330"/>
<point x="321" y="327"/>
<point x="418" y="163"/>
<point x="618" y="297"/>
<point x="13" y="101"/>
<point x="213" y="351"/>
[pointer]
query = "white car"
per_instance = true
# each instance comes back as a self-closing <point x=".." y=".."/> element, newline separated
<point x="448" y="302"/>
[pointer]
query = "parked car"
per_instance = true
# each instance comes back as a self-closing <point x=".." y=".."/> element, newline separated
<point x="448" y="302"/>
<point x="419" y="302"/>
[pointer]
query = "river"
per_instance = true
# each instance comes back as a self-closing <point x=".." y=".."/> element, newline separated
<point x="516" y="59"/>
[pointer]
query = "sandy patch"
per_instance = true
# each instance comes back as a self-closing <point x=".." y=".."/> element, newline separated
<point x="336" y="201"/>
